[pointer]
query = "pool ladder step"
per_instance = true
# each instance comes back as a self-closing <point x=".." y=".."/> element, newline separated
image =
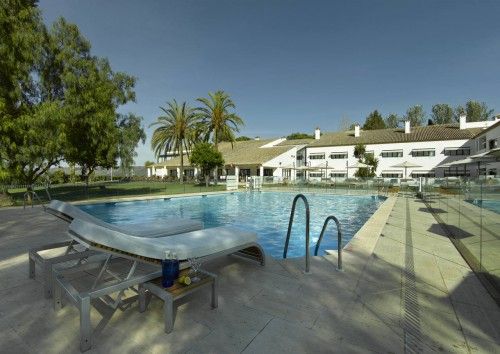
<point x="308" y="219"/>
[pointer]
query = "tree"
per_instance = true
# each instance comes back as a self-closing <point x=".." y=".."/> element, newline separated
<point x="148" y="163"/>
<point x="345" y="124"/>
<point x="176" y="131"/>
<point x="207" y="158"/>
<point x="242" y="138"/>
<point x="297" y="136"/>
<point x="442" y="113"/>
<point x="477" y="111"/>
<point x="218" y="122"/>
<point x="131" y="132"/>
<point x="415" y="115"/>
<point x="57" y="101"/>
<point x="392" y="121"/>
<point x="30" y="121"/>
<point x="374" y="121"/>
<point x="359" y="151"/>
<point x="459" y="110"/>
<point x="369" y="159"/>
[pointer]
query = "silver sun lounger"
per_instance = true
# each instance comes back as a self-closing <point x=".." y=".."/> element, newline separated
<point x="73" y="251"/>
<point x="202" y="244"/>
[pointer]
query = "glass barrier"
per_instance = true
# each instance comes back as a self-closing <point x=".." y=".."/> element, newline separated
<point x="469" y="211"/>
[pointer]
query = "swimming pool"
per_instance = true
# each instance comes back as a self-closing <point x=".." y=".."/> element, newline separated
<point x="265" y="213"/>
<point x="490" y="204"/>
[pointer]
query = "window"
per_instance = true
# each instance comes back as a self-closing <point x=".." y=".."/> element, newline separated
<point x="286" y="173"/>
<point x="268" y="172"/>
<point x="337" y="174"/>
<point x="173" y="173"/>
<point x="492" y="172"/>
<point x="317" y="156"/>
<point x="245" y="172"/>
<point x="462" y="151"/>
<point x="416" y="174"/>
<point x="338" y="155"/>
<point x="481" y="143"/>
<point x="392" y="153"/>
<point x="315" y="174"/>
<point x="423" y="152"/>
<point x="456" y="173"/>
<point x="492" y="144"/>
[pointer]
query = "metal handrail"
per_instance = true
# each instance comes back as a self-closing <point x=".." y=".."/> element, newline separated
<point x="339" y="239"/>
<point x="290" y="222"/>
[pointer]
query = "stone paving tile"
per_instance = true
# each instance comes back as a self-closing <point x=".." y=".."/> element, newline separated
<point x="389" y="290"/>
<point x="281" y="336"/>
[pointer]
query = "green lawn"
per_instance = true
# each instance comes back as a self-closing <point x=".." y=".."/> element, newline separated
<point x="77" y="192"/>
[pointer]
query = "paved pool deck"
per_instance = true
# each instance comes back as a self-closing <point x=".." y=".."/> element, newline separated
<point x="404" y="288"/>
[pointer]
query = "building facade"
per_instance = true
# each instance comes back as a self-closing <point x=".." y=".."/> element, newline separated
<point x="409" y="152"/>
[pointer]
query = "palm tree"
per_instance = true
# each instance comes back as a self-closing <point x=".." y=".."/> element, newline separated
<point x="218" y="123"/>
<point x="176" y="131"/>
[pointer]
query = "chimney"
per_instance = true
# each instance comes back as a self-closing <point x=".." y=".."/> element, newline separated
<point x="407" y="127"/>
<point x="463" y="121"/>
<point x="317" y="134"/>
<point x="356" y="130"/>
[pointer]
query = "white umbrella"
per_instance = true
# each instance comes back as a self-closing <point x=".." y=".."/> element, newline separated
<point x="405" y="165"/>
<point x="356" y="165"/>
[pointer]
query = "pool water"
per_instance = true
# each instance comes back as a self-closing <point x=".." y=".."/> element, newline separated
<point x="266" y="213"/>
<point x="493" y="205"/>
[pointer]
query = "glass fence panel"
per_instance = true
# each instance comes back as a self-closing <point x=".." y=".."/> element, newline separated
<point x="469" y="210"/>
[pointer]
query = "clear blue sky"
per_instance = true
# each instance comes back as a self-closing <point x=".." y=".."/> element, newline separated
<point x="294" y="65"/>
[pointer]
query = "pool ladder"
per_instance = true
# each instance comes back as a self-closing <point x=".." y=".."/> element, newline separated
<point x="308" y="218"/>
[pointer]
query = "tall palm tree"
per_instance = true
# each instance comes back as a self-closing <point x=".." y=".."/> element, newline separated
<point x="218" y="123"/>
<point x="176" y="131"/>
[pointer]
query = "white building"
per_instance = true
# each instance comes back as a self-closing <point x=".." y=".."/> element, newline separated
<point x="331" y="155"/>
<point x="487" y="143"/>
<point x="273" y="158"/>
<point x="426" y="147"/>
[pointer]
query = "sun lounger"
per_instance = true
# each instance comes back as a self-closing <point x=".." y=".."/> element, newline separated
<point x="202" y="244"/>
<point x="165" y="227"/>
<point x="72" y="251"/>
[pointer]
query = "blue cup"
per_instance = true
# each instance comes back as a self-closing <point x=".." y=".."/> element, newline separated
<point x="170" y="272"/>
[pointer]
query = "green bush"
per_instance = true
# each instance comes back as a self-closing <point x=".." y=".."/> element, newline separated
<point x="58" y="177"/>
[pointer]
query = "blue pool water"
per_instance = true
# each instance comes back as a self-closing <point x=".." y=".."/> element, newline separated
<point x="265" y="213"/>
<point x="493" y="205"/>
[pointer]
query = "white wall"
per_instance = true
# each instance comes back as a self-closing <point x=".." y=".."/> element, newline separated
<point x="385" y="163"/>
<point x="476" y="148"/>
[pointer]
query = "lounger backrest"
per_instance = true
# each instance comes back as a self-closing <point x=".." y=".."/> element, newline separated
<point x="71" y="212"/>
<point x="166" y="227"/>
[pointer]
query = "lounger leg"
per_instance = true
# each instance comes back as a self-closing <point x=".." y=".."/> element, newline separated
<point x="85" y="327"/>
<point x="47" y="279"/>
<point x="168" y="311"/>
<point x="215" y="293"/>
<point x="57" y="297"/>
<point x="142" y="298"/>
<point x="31" y="267"/>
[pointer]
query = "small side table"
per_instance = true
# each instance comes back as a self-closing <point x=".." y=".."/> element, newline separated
<point x="176" y="291"/>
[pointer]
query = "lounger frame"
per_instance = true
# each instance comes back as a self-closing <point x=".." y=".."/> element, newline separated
<point x="82" y="300"/>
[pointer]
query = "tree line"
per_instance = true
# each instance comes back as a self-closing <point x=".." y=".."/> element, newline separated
<point x="441" y="113"/>
<point x="58" y="101"/>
